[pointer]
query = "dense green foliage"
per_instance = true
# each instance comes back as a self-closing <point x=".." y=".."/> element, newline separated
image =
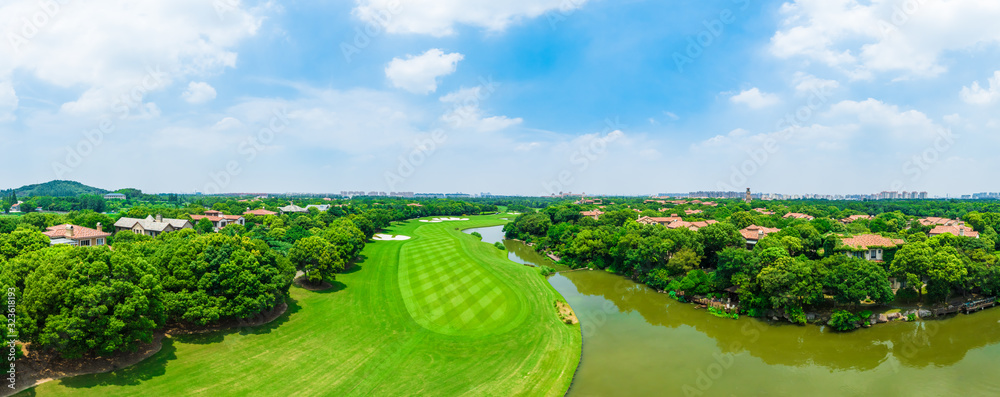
<point x="787" y="272"/>
<point x="56" y="189"/>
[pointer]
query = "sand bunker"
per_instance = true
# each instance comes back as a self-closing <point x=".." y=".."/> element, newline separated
<point x="439" y="220"/>
<point x="386" y="237"/>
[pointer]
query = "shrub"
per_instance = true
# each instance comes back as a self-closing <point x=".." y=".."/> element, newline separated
<point x="911" y="317"/>
<point x="546" y="271"/>
<point x="499" y="246"/>
<point x="843" y="320"/>
<point x="722" y="314"/>
<point x="479" y="236"/>
<point x="796" y="315"/>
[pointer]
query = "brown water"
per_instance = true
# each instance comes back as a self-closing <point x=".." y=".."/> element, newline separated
<point x="516" y="251"/>
<point x="639" y="342"/>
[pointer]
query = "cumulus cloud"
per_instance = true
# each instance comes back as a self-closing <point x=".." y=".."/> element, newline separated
<point x="861" y="38"/>
<point x="112" y="46"/>
<point x="809" y="84"/>
<point x="199" y="92"/>
<point x="755" y="99"/>
<point x="978" y="95"/>
<point x="465" y="111"/>
<point x="419" y="74"/>
<point x="439" y="17"/>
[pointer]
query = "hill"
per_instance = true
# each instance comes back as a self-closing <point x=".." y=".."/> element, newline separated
<point x="55" y="189"/>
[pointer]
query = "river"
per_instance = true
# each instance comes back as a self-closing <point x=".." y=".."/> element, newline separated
<point x="640" y="342"/>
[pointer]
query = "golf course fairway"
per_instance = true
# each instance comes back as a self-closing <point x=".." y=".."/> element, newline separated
<point x="440" y="314"/>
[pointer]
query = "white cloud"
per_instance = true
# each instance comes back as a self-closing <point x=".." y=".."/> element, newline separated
<point x="8" y="101"/>
<point x="864" y="37"/>
<point x="977" y="95"/>
<point x="419" y="74"/>
<point x="465" y="112"/>
<point x="111" y="45"/>
<point x="439" y="17"/>
<point x="199" y="92"/>
<point x="755" y="99"/>
<point x="809" y="84"/>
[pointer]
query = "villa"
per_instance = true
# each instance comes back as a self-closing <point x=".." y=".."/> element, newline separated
<point x="870" y="247"/>
<point x="219" y="220"/>
<point x="798" y="216"/>
<point x="855" y="218"/>
<point x="151" y="226"/>
<point x="956" y="230"/>
<point x="292" y="209"/>
<point x="754" y="233"/>
<point x="648" y="220"/>
<point x="593" y="214"/>
<point x="76" y="235"/>
<point x="260" y="212"/>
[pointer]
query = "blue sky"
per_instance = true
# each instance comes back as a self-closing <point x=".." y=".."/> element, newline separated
<point x="522" y="97"/>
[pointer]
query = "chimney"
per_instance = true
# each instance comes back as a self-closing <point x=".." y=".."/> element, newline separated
<point x="159" y="218"/>
<point x="69" y="231"/>
<point x="961" y="231"/>
<point x="761" y="233"/>
<point x="100" y="228"/>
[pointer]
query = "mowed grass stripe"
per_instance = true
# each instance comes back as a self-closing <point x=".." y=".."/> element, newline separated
<point x="360" y="340"/>
<point x="444" y="287"/>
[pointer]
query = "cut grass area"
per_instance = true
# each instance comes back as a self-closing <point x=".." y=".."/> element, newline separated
<point x="441" y="314"/>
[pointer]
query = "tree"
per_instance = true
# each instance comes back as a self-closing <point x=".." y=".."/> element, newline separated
<point x="204" y="226"/>
<point x="317" y="258"/>
<point x="790" y="283"/>
<point x="855" y="280"/>
<point x="211" y="277"/>
<point x="346" y="238"/>
<point x="742" y="220"/>
<point x="911" y="264"/>
<point x="716" y="237"/>
<point x="90" y="301"/>
<point x="683" y="261"/>
<point x="945" y="273"/>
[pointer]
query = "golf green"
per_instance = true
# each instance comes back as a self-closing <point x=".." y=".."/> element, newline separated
<point x="440" y="314"/>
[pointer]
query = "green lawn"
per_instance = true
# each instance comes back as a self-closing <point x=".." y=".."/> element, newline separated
<point x="442" y="314"/>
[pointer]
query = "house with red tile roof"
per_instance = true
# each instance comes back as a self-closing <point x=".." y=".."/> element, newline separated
<point x="260" y="212"/>
<point x="870" y="247"/>
<point x="649" y="220"/>
<point x="763" y="211"/>
<point x="797" y="215"/>
<point x="692" y="212"/>
<point x="955" y="230"/>
<point x="933" y="221"/>
<point x="593" y="214"/>
<point x="219" y="220"/>
<point x="754" y="233"/>
<point x="854" y="218"/>
<point x="77" y="235"/>
<point x="693" y="226"/>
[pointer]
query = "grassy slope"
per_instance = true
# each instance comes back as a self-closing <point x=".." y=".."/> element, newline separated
<point x="361" y="340"/>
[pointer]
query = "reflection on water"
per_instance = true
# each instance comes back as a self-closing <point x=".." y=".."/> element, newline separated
<point x="516" y="251"/>
<point x="637" y="341"/>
